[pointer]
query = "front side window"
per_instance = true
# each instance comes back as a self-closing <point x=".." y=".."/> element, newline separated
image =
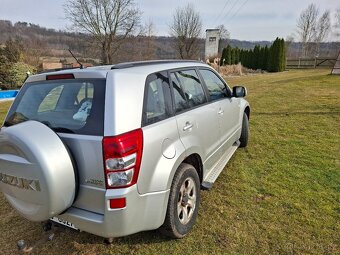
<point x="215" y="86"/>
<point x="157" y="98"/>
<point x="73" y="106"/>
<point x="192" y="87"/>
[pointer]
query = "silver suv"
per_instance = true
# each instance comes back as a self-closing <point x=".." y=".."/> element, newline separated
<point x="114" y="150"/>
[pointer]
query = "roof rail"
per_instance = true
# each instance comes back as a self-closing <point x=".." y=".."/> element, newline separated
<point x="151" y="62"/>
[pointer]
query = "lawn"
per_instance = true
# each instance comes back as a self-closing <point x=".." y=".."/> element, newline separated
<point x="281" y="195"/>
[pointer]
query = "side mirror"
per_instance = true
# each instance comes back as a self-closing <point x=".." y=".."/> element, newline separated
<point x="239" y="91"/>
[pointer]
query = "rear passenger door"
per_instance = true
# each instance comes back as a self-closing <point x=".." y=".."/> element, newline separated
<point x="226" y="107"/>
<point x="197" y="121"/>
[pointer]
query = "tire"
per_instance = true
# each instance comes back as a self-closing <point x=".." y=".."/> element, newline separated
<point x="245" y="131"/>
<point x="37" y="177"/>
<point x="184" y="197"/>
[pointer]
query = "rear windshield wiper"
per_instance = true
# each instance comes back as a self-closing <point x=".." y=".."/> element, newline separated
<point x="15" y="118"/>
<point x="62" y="130"/>
<point x="57" y="129"/>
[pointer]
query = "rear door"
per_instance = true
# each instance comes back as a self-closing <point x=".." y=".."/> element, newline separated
<point x="226" y="107"/>
<point x="74" y="109"/>
<point x="197" y="121"/>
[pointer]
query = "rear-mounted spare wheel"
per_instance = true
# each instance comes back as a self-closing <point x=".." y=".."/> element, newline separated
<point x="36" y="172"/>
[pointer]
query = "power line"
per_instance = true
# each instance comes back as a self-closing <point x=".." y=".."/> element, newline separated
<point x="219" y="16"/>
<point x="238" y="10"/>
<point x="226" y="15"/>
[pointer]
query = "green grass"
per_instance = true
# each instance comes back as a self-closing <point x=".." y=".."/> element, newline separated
<point x="281" y="195"/>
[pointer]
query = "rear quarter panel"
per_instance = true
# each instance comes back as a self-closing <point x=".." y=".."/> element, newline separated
<point x="123" y="101"/>
<point x="163" y="152"/>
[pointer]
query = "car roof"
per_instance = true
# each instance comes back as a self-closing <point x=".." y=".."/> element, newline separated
<point x="140" y="67"/>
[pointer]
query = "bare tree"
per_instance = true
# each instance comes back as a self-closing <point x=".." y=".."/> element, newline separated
<point x="313" y="30"/>
<point x="306" y="26"/>
<point x="322" y="30"/>
<point x="224" y="37"/>
<point x="288" y="44"/>
<point x="149" y="41"/>
<point x="337" y="23"/>
<point x="186" y="27"/>
<point x="224" y="33"/>
<point x="110" y="22"/>
<point x="144" y="43"/>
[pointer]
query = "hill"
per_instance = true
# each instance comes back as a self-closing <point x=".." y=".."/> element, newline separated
<point x="49" y="43"/>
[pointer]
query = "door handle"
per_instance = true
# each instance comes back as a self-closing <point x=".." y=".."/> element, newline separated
<point x="220" y="112"/>
<point x="187" y="126"/>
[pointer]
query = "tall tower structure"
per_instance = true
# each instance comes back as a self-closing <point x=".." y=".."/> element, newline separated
<point x="211" y="42"/>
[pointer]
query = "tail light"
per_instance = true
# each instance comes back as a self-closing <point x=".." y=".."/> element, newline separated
<point x="122" y="158"/>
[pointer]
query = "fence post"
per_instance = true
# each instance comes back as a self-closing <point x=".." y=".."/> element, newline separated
<point x="299" y="63"/>
<point x="314" y="62"/>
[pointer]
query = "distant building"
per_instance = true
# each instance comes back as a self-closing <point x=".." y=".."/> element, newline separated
<point x="51" y="65"/>
<point x="59" y="65"/>
<point x="75" y="65"/>
<point x="211" y="43"/>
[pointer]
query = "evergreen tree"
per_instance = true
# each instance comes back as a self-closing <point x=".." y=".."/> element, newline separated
<point x="241" y="59"/>
<point x="233" y="56"/>
<point x="261" y="57"/>
<point x="265" y="58"/>
<point x="237" y="55"/>
<point x="273" y="64"/>
<point x="228" y="56"/>
<point x="9" y="55"/>
<point x="223" y="57"/>
<point x="256" y="57"/>
<point x="277" y="56"/>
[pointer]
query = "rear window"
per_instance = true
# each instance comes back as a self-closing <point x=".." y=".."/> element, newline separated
<point x="72" y="106"/>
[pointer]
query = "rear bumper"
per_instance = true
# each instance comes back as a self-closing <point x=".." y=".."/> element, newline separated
<point x="142" y="212"/>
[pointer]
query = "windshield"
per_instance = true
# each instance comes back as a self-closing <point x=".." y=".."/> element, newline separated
<point x="72" y="106"/>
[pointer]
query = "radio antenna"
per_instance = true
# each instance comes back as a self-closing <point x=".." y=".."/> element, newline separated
<point x="81" y="65"/>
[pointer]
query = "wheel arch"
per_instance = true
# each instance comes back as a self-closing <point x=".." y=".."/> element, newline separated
<point x="247" y="111"/>
<point x="196" y="161"/>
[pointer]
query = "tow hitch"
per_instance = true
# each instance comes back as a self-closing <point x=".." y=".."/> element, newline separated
<point x="50" y="231"/>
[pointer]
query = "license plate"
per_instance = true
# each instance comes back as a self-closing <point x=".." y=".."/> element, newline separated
<point x="64" y="222"/>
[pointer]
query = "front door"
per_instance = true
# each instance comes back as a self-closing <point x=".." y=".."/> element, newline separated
<point x="197" y="121"/>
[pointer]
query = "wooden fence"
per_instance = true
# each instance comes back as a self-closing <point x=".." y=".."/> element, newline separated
<point x="304" y="63"/>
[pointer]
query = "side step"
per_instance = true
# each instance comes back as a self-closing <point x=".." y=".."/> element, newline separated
<point x="218" y="168"/>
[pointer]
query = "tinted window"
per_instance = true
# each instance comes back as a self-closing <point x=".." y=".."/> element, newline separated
<point x="74" y="106"/>
<point x="192" y="87"/>
<point x="214" y="84"/>
<point x="179" y="96"/>
<point x="157" y="98"/>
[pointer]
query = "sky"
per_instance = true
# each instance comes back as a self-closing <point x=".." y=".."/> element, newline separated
<point x="251" y="20"/>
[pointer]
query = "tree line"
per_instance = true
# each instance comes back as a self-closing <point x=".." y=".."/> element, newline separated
<point x="272" y="59"/>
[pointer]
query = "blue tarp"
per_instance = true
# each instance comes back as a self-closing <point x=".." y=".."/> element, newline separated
<point x="8" y="94"/>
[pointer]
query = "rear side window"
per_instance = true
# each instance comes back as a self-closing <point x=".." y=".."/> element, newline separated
<point x="71" y="106"/>
<point x="179" y="96"/>
<point x="216" y="87"/>
<point x="193" y="92"/>
<point x="157" y="99"/>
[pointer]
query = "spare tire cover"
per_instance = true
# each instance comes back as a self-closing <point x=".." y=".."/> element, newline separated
<point x="36" y="171"/>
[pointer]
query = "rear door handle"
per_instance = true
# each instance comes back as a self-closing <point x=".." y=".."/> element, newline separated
<point x="187" y="126"/>
<point x="220" y="112"/>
